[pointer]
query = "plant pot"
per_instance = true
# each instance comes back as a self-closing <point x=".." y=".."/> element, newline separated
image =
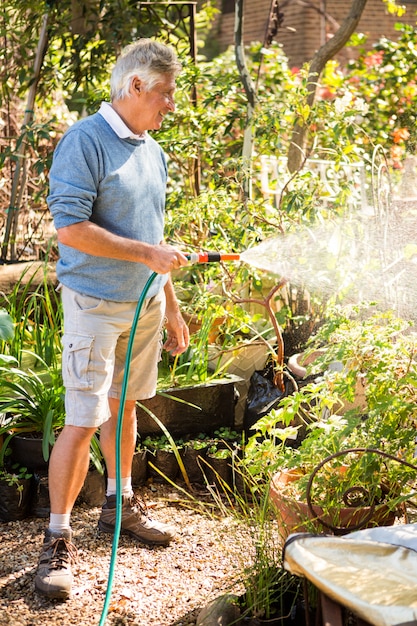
<point x="295" y="515"/>
<point x="190" y="410"/>
<point x="93" y="491"/>
<point x="218" y="471"/>
<point x="140" y="468"/>
<point x="193" y="461"/>
<point x="166" y="462"/>
<point x="41" y="505"/>
<point x="15" y="500"/>
<point x="27" y="451"/>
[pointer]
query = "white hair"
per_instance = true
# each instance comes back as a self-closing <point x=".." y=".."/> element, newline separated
<point x="146" y="59"/>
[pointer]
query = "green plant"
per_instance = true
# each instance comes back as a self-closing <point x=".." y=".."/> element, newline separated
<point x="161" y="442"/>
<point x="218" y="453"/>
<point x="35" y="309"/>
<point x="6" y="326"/>
<point x="380" y="349"/>
<point x="30" y="403"/>
<point x="270" y="592"/>
<point x="226" y="433"/>
<point x="14" y="475"/>
<point x="192" y="367"/>
<point x="199" y="442"/>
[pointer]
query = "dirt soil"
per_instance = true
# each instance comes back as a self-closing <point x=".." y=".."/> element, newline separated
<point x="158" y="586"/>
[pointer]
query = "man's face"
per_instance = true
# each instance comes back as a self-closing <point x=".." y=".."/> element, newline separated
<point x="152" y="106"/>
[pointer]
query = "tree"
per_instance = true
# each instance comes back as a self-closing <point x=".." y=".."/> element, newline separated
<point x="298" y="147"/>
<point x="298" y="150"/>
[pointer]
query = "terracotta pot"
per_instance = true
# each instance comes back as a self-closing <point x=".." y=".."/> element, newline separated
<point x="295" y="515"/>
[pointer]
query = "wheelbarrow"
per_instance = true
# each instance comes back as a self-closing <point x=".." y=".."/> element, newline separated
<point x="371" y="574"/>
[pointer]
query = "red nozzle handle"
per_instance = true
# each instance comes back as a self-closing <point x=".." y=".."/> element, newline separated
<point x="212" y="257"/>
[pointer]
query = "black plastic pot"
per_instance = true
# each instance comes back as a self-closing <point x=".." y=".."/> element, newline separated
<point x="41" y="506"/>
<point x="193" y="460"/>
<point x="140" y="468"/>
<point x="93" y="491"/>
<point x="15" y="502"/>
<point x="218" y="470"/>
<point x="166" y="462"/>
<point x="27" y="451"/>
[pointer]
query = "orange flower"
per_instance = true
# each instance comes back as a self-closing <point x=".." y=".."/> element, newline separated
<point x="400" y="134"/>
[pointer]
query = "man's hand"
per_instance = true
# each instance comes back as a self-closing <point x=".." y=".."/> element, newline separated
<point x="178" y="336"/>
<point x="165" y="258"/>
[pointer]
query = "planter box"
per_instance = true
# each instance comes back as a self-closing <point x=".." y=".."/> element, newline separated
<point x="190" y="410"/>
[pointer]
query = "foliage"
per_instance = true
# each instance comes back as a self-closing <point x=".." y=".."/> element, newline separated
<point x="378" y="349"/>
<point x="161" y="442"/>
<point x="36" y="311"/>
<point x="191" y="367"/>
<point x="385" y="78"/>
<point x="30" y="403"/>
<point x="15" y="476"/>
<point x="6" y="326"/>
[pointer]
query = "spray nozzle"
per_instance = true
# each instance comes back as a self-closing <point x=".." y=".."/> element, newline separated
<point x="212" y="257"/>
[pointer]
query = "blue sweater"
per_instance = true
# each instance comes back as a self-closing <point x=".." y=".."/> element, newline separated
<point x="119" y="184"/>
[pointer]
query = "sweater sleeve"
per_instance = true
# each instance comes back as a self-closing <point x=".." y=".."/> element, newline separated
<point x="74" y="178"/>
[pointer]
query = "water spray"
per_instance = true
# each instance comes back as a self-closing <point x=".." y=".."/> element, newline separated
<point x="194" y="257"/>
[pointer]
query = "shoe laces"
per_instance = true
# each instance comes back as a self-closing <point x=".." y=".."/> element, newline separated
<point x="62" y="552"/>
<point x="137" y="503"/>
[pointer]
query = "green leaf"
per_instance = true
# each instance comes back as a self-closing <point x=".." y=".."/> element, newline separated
<point x="6" y="326"/>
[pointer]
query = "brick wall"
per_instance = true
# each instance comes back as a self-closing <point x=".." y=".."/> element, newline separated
<point x="304" y="29"/>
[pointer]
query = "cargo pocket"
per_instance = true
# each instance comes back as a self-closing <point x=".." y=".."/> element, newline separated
<point x="76" y="359"/>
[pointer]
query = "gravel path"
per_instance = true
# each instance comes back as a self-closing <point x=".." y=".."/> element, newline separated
<point x="152" y="585"/>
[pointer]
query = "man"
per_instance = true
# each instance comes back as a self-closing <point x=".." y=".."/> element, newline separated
<point x="107" y="198"/>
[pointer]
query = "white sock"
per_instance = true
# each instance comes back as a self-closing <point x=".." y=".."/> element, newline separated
<point x="58" y="522"/>
<point x="126" y="486"/>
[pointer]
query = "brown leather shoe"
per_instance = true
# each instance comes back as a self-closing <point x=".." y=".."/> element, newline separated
<point x="54" y="576"/>
<point x="136" y="521"/>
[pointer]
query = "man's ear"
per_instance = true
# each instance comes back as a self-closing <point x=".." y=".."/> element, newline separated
<point x="136" y="85"/>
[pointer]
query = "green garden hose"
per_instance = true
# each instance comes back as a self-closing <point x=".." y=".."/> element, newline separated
<point x="118" y="524"/>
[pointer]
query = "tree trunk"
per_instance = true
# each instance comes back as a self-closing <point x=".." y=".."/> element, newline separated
<point x="19" y="176"/>
<point x="298" y="146"/>
<point x="250" y="91"/>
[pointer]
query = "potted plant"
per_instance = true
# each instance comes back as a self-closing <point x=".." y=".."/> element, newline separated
<point x="33" y="410"/>
<point x="380" y="348"/>
<point x="15" y="493"/>
<point x="162" y="458"/>
<point x="140" y="464"/>
<point x="269" y="594"/>
<point x="193" y="453"/>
